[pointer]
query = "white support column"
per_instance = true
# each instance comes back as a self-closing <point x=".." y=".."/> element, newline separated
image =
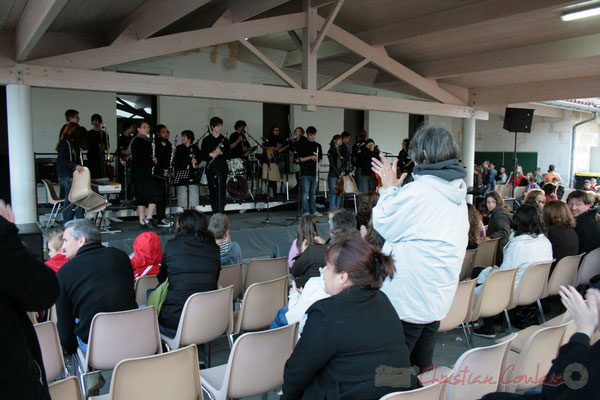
<point x="20" y="152"/>
<point x="468" y="151"/>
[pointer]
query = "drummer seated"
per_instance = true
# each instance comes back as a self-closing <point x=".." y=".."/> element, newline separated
<point x="230" y="252"/>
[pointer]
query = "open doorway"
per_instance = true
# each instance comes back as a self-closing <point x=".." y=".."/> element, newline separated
<point x="354" y="122"/>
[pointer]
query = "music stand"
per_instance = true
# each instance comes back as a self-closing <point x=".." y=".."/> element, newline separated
<point x="185" y="177"/>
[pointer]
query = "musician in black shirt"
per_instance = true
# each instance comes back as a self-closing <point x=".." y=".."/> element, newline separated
<point x="124" y="163"/>
<point x="98" y="144"/>
<point x="361" y="140"/>
<point x="274" y="144"/>
<point x="187" y="157"/>
<point x="310" y="156"/>
<point x="365" y="179"/>
<point x="215" y="150"/>
<point x="142" y="162"/>
<point x="238" y="143"/>
<point x="163" y="152"/>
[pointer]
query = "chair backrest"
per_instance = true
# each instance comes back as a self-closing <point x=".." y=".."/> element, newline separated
<point x="565" y="273"/>
<point x="266" y="269"/>
<point x="231" y="275"/>
<point x="53" y="198"/>
<point x="52" y="355"/>
<point x="506" y="191"/>
<point x="520" y="191"/>
<point x="486" y="253"/>
<point x="460" y="310"/>
<point x="206" y="316"/>
<point x="81" y="186"/>
<point x="141" y="286"/>
<point x="65" y="389"/>
<point x="257" y="360"/>
<point x="260" y="304"/>
<point x="119" y="335"/>
<point x="590" y="267"/>
<point x="486" y="363"/>
<point x="495" y="294"/>
<point x="467" y="265"/>
<point x="534" y="360"/>
<point x="172" y="375"/>
<point x="532" y="285"/>
<point x="434" y="391"/>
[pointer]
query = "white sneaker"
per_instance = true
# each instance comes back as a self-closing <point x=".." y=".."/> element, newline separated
<point x="317" y="214"/>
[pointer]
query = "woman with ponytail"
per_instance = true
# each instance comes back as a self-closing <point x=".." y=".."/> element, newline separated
<point x="352" y="345"/>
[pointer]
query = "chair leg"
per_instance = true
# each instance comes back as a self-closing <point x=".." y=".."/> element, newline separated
<point x="465" y="331"/>
<point x="355" y="207"/>
<point x="230" y="340"/>
<point x="539" y="303"/>
<point x="208" y="355"/>
<point x="508" y="321"/>
<point x="208" y="393"/>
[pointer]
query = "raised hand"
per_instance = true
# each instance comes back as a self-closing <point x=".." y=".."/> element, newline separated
<point x="387" y="172"/>
<point x="584" y="315"/>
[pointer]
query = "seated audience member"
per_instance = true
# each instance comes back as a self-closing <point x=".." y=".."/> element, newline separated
<point x="560" y="225"/>
<point x="587" y="227"/>
<point x="96" y="279"/>
<point x="536" y="197"/>
<point x="577" y="360"/>
<point x="365" y="209"/>
<point x="476" y="228"/>
<point x="352" y="336"/>
<point x="147" y="255"/>
<point x="531" y="183"/>
<point x="551" y="174"/>
<point x="56" y="257"/>
<point x="499" y="221"/>
<point x="501" y="178"/>
<point x="587" y="186"/>
<point x="518" y="178"/>
<point x="550" y="192"/>
<point x="371" y="235"/>
<point x="560" y="189"/>
<point x="527" y="246"/>
<point x="27" y="285"/>
<point x="307" y="235"/>
<point x="192" y="264"/>
<point x="594" y="182"/>
<point x="307" y="264"/>
<point x="230" y="252"/>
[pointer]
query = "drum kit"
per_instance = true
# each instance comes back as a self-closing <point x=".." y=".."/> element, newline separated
<point x="242" y="175"/>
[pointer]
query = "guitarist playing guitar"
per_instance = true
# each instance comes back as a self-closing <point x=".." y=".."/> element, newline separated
<point x="274" y="144"/>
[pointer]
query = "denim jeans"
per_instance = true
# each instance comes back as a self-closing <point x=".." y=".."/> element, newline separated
<point x="280" y="319"/>
<point x="365" y="183"/>
<point x="334" y="200"/>
<point x="309" y="188"/>
<point x="70" y="210"/>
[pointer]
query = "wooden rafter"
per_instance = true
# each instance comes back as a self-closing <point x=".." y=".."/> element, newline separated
<point x="243" y="10"/>
<point x="325" y="28"/>
<point x="296" y="39"/>
<point x="35" y="20"/>
<point x="270" y="64"/>
<point x="344" y="75"/>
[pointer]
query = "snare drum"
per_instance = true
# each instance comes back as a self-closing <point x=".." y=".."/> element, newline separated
<point x="236" y="167"/>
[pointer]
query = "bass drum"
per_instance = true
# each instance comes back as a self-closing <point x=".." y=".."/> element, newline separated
<point x="237" y="188"/>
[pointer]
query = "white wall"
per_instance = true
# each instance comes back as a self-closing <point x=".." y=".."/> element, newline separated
<point x="328" y="121"/>
<point x="586" y="144"/>
<point x="387" y="129"/>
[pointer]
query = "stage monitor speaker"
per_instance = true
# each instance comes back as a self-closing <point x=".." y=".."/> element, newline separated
<point x="518" y="119"/>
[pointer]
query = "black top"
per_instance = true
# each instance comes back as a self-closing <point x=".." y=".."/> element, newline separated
<point x="364" y="160"/>
<point x="209" y="144"/>
<point x="238" y="150"/>
<point x="164" y="149"/>
<point x="306" y="149"/>
<point x="123" y="142"/>
<point x="307" y="264"/>
<point x="564" y="242"/>
<point x="499" y="228"/>
<point x="356" y="150"/>
<point x="95" y="141"/>
<point x="98" y="279"/>
<point x="273" y="140"/>
<point x="336" y="161"/>
<point x="404" y="162"/>
<point x="192" y="266"/>
<point x="352" y="347"/>
<point x="295" y="146"/>
<point x="141" y="159"/>
<point x="588" y="230"/>
<point x="27" y="285"/>
<point x="68" y="158"/>
<point x="184" y="155"/>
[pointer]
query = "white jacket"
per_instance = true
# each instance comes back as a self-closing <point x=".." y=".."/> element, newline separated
<point x="520" y="252"/>
<point x="299" y="303"/>
<point x="425" y="225"/>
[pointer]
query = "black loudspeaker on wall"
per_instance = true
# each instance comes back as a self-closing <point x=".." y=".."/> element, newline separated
<point x="518" y="119"/>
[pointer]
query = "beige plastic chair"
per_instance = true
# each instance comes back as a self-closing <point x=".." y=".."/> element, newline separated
<point x="506" y="191"/>
<point x="350" y="188"/>
<point x="259" y="306"/>
<point x="460" y="310"/>
<point x="485" y="361"/>
<point x="495" y="294"/>
<point x="565" y="318"/>
<point x="534" y="360"/>
<point x="437" y="391"/>
<point x="231" y="275"/>
<point x="255" y="364"/>
<point x="266" y="269"/>
<point x="83" y="196"/>
<point x="564" y="273"/>
<point x="272" y="174"/>
<point x="205" y="317"/>
<point x="531" y="289"/>
<point x="467" y="265"/>
<point x="119" y="335"/>
<point x="65" y="389"/>
<point x="520" y="191"/>
<point x="590" y="267"/>
<point x="53" y="199"/>
<point x="52" y="354"/>
<point x="486" y="253"/>
<point x="141" y="286"/>
<point x="172" y="375"/>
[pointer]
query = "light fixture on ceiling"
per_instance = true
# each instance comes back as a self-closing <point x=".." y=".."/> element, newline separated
<point x="590" y="12"/>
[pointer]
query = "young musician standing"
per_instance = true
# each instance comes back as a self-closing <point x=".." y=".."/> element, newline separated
<point x="164" y="150"/>
<point x="215" y="150"/>
<point x="274" y="143"/>
<point x="142" y="162"/>
<point x="238" y="143"/>
<point x="336" y="167"/>
<point x="97" y="141"/>
<point x="187" y="157"/>
<point x="124" y="164"/>
<point x="310" y="157"/>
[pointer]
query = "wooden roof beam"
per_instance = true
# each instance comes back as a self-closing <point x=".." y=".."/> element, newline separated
<point x="243" y="10"/>
<point x="325" y="28"/>
<point x="270" y="64"/>
<point x="36" y="18"/>
<point x="344" y="75"/>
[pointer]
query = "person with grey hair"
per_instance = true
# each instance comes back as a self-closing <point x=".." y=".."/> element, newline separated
<point x="425" y="227"/>
<point x="230" y="252"/>
<point x="95" y="279"/>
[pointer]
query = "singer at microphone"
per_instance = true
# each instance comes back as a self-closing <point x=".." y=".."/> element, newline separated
<point x="238" y="143"/>
<point x="310" y="155"/>
<point x="215" y="151"/>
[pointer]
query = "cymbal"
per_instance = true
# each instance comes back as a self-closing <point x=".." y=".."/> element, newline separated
<point x="251" y="150"/>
